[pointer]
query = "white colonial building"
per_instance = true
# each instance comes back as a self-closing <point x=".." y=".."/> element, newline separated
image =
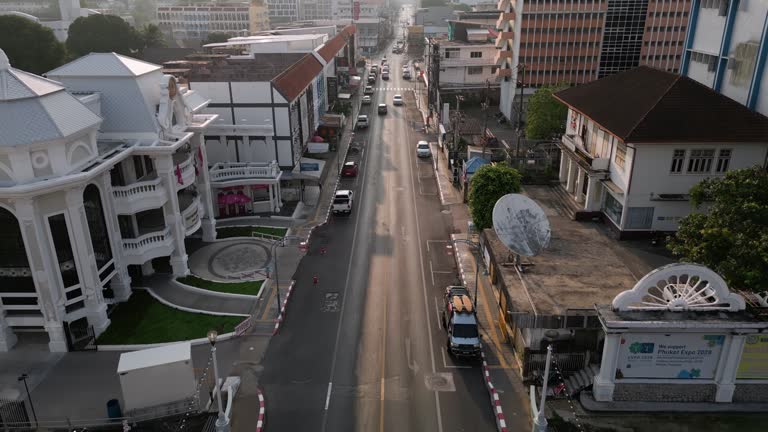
<point x="102" y="177"/>
<point x="636" y="142"/>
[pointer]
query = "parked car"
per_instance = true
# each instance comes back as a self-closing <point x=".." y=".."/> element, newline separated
<point x="368" y="90"/>
<point x="371" y="79"/>
<point x="460" y="323"/>
<point x="382" y="108"/>
<point x="422" y="149"/>
<point x="397" y="100"/>
<point x="342" y="202"/>
<point x="362" y="122"/>
<point x="375" y="69"/>
<point x="366" y="100"/>
<point x="349" y="169"/>
<point x="385" y="75"/>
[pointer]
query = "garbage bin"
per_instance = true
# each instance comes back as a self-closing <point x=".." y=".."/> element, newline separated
<point x="113" y="409"/>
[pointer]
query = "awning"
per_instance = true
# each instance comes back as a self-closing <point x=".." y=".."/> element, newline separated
<point x="611" y="186"/>
<point x="308" y="169"/>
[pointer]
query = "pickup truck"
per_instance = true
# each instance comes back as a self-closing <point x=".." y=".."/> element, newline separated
<point x="342" y="202"/>
<point x="362" y="122"/>
<point x="460" y="322"/>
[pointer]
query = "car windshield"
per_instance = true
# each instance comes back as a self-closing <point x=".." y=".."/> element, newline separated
<point x="340" y="200"/>
<point x="464" y="331"/>
<point x="423" y="146"/>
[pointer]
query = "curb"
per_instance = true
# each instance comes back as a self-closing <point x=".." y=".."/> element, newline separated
<point x="498" y="413"/>
<point x="204" y="291"/>
<point x="262" y="422"/>
<point x="281" y="317"/>
<point x="186" y="309"/>
<point x="137" y="347"/>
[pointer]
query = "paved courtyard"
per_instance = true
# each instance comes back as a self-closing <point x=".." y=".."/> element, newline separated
<point x="230" y="260"/>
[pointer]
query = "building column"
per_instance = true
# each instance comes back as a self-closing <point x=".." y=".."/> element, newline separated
<point x="726" y="380"/>
<point x="7" y="336"/>
<point x="121" y="282"/>
<point x="172" y="214"/>
<point x="43" y="265"/>
<point x="272" y="200"/>
<point x="564" y="160"/>
<point x="279" y="195"/>
<point x="577" y="195"/>
<point x="203" y="181"/>
<point x="593" y="197"/>
<point x="604" y="382"/>
<point x="96" y="308"/>
<point x="571" y="181"/>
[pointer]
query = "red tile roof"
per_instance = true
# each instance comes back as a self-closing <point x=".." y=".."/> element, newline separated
<point x="297" y="77"/>
<point x="649" y="105"/>
<point x="337" y="43"/>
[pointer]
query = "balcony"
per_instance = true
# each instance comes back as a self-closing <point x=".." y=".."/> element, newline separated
<point x="148" y="246"/>
<point x="140" y="196"/>
<point x="503" y="37"/>
<point x="504" y="72"/>
<point x="502" y="55"/>
<point x="244" y="173"/>
<point x="192" y="211"/>
<point x="504" y="18"/>
<point x="575" y="144"/>
<point x="183" y="162"/>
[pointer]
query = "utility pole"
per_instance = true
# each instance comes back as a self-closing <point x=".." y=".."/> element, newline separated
<point x="485" y="105"/>
<point x="521" y="84"/>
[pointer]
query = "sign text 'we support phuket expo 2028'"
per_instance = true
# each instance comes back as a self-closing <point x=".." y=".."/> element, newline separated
<point x="675" y="356"/>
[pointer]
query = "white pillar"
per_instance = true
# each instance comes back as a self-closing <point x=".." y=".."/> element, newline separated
<point x="604" y="382"/>
<point x="7" y="336"/>
<point x="272" y="200"/>
<point x="593" y="197"/>
<point x="564" y="160"/>
<point x="44" y="267"/>
<point x="173" y="218"/>
<point x="570" y="182"/>
<point x="147" y="269"/>
<point x="88" y="271"/>
<point x="203" y="181"/>
<point x="726" y="381"/>
<point x="121" y="282"/>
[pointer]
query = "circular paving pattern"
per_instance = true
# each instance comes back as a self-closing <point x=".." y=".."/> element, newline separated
<point x="231" y="260"/>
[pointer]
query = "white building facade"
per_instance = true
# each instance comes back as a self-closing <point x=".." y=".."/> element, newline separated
<point x="726" y="49"/>
<point x="467" y="65"/>
<point x="198" y="21"/>
<point x="629" y="166"/>
<point x="102" y="177"/>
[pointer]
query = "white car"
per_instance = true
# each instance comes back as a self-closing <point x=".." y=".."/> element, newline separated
<point x="397" y="100"/>
<point x="422" y="149"/>
<point x="342" y="202"/>
<point x="366" y="100"/>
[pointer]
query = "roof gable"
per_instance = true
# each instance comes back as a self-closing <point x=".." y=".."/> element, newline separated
<point x="296" y="78"/>
<point x="650" y="105"/>
<point x="329" y="50"/>
<point x="104" y="65"/>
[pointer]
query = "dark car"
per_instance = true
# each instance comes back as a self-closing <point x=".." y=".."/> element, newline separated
<point x="349" y="169"/>
<point x="382" y="108"/>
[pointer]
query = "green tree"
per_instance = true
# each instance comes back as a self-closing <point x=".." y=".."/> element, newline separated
<point x="732" y="236"/>
<point x="488" y="184"/>
<point x="30" y="46"/>
<point x="546" y="116"/>
<point x="216" y="37"/>
<point x="152" y="36"/>
<point x="102" y="33"/>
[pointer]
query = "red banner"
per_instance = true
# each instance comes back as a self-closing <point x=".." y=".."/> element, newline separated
<point x="356" y="10"/>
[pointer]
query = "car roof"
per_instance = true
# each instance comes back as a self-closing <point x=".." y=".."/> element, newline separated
<point x="382" y="104"/>
<point x="351" y="163"/>
<point x="343" y="192"/>
<point x="464" y="318"/>
<point x="398" y="96"/>
<point x="362" y="116"/>
<point x="422" y="142"/>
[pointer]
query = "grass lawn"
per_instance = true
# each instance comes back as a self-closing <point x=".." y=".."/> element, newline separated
<point x="144" y="320"/>
<point x="227" y="232"/>
<point x="248" y="288"/>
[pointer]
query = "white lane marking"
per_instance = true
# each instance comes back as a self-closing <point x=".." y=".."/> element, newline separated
<point x="437" y="311"/>
<point x="328" y="396"/>
<point x="432" y="272"/>
<point x="343" y="305"/>
<point x="424" y="292"/>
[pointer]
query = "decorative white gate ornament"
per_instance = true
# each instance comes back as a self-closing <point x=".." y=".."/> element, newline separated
<point x="680" y="287"/>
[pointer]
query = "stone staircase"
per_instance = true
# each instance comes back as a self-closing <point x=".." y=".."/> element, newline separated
<point x="582" y="378"/>
<point x="564" y="203"/>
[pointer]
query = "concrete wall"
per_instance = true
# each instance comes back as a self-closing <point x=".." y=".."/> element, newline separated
<point x="665" y="392"/>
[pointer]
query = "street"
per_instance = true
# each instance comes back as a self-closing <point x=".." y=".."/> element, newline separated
<point x="363" y="349"/>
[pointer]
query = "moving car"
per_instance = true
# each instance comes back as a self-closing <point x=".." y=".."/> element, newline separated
<point x="460" y="322"/>
<point x="382" y="108"/>
<point x="366" y="100"/>
<point x="385" y="75"/>
<point x="407" y="74"/>
<point x="368" y="90"/>
<point x="371" y="78"/>
<point x="349" y="169"/>
<point x="397" y="100"/>
<point x="362" y="121"/>
<point x="342" y="202"/>
<point x="422" y="149"/>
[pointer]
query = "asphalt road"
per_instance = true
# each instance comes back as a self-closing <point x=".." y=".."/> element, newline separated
<point x="363" y="349"/>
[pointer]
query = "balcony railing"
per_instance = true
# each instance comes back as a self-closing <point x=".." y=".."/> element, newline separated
<point x="502" y="55"/>
<point x="503" y="37"/>
<point x="504" y="72"/>
<point x="229" y="171"/>
<point x="148" y="246"/>
<point x="575" y="144"/>
<point x="187" y="172"/>
<point x="504" y="18"/>
<point x="140" y="196"/>
<point x="192" y="215"/>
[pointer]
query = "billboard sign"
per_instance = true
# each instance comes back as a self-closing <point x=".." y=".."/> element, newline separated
<point x="754" y="358"/>
<point x="676" y="356"/>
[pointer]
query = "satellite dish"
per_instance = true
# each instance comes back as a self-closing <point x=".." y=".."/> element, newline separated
<point x="521" y="224"/>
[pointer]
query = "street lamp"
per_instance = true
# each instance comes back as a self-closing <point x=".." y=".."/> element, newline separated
<point x="222" y="422"/>
<point x="24" y="377"/>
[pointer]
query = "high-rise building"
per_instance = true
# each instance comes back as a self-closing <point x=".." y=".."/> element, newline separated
<point x="576" y="41"/>
<point x="283" y="11"/>
<point x="726" y="49"/>
<point x="199" y="20"/>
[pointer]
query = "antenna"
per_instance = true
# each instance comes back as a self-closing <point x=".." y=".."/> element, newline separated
<point x="521" y="225"/>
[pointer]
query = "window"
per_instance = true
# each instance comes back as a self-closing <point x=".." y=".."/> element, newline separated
<point x="621" y="154"/>
<point x="700" y="161"/>
<point x="723" y="160"/>
<point x="476" y="54"/>
<point x="613" y="209"/>
<point x="451" y="53"/>
<point x="678" y="158"/>
<point x="639" y="218"/>
<point x="474" y="70"/>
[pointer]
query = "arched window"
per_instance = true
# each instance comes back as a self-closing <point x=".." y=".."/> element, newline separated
<point x="97" y="226"/>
